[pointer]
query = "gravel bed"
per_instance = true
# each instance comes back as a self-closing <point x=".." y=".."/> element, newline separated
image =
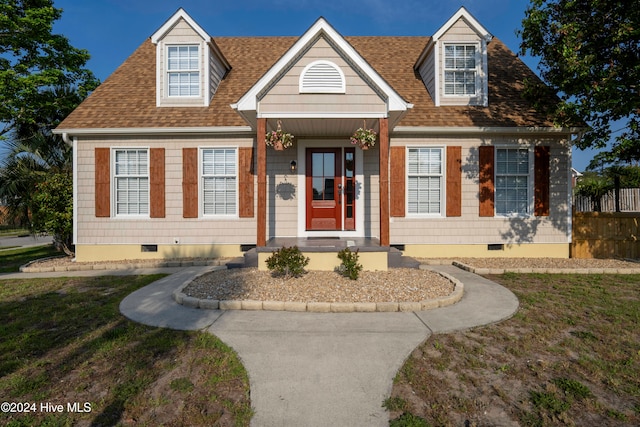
<point x="514" y="263"/>
<point x="396" y="285"/>
<point x="66" y="261"/>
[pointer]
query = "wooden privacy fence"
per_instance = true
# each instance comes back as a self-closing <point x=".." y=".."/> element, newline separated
<point x="605" y="235"/>
<point x="629" y="201"/>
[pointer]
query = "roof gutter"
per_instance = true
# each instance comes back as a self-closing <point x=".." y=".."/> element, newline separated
<point x="65" y="137"/>
<point x="154" y="131"/>
<point x="521" y="130"/>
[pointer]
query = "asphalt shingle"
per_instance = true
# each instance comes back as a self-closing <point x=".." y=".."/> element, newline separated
<point x="127" y="99"/>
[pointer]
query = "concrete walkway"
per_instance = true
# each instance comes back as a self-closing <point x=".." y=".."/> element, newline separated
<point x="314" y="369"/>
<point x="319" y="369"/>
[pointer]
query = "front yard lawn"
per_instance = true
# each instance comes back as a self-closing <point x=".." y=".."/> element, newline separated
<point x="12" y="259"/>
<point x="570" y="356"/>
<point x="64" y="342"/>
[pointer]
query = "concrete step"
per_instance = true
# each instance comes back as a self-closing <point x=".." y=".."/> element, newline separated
<point x="250" y="259"/>
<point x="397" y="260"/>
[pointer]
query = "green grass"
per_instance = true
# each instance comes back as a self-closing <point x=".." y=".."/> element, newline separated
<point x="12" y="259"/>
<point x="64" y="340"/>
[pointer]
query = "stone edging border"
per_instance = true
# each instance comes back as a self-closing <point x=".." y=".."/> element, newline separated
<point x="486" y="271"/>
<point x="118" y="266"/>
<point x="319" y="307"/>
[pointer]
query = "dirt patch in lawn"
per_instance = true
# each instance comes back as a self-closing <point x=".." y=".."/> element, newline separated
<point x="570" y="356"/>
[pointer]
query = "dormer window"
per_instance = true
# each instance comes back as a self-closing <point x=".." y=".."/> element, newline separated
<point x="460" y="70"/>
<point x="453" y="65"/>
<point x="183" y="71"/>
<point x="189" y="64"/>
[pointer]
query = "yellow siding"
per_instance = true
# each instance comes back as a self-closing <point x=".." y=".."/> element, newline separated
<point x="538" y="250"/>
<point x="95" y="253"/>
<point x="328" y="261"/>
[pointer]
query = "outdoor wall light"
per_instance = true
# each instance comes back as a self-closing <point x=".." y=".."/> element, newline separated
<point x="293" y="165"/>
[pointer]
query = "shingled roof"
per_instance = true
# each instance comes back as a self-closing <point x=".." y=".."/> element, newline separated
<point x="127" y="99"/>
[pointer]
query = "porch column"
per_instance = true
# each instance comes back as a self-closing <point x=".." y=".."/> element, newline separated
<point x="261" y="237"/>
<point x="384" y="182"/>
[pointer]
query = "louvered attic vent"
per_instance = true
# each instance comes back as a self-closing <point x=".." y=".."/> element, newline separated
<point x="322" y="77"/>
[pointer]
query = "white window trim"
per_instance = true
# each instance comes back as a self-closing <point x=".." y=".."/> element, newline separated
<point x="479" y="70"/>
<point x="113" y="184"/>
<point x="199" y="70"/>
<point x="341" y="89"/>
<point x="530" y="183"/>
<point x="443" y="185"/>
<point x="201" y="213"/>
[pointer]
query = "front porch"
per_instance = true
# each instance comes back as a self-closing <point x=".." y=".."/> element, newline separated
<point x="322" y="252"/>
<point x="322" y="188"/>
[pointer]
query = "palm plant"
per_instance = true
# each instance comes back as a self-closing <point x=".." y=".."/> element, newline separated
<point x="34" y="154"/>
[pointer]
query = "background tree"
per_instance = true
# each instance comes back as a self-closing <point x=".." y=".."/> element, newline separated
<point x="589" y="54"/>
<point x="33" y="61"/>
<point x="42" y="79"/>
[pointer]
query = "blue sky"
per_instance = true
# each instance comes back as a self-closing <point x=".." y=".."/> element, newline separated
<point x="112" y="29"/>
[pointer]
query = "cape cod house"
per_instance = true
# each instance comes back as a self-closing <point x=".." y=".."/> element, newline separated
<point x="171" y="160"/>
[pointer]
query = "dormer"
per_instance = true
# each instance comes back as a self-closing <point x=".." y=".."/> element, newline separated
<point x="453" y="65"/>
<point x="189" y="65"/>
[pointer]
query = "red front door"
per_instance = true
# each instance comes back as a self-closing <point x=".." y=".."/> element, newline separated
<point x="324" y="188"/>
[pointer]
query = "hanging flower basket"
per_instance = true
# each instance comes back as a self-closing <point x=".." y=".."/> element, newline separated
<point x="364" y="138"/>
<point x="278" y="139"/>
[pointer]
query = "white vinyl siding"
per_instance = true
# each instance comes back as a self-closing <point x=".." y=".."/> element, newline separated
<point x="131" y="182"/>
<point x="424" y="179"/>
<point x="219" y="181"/>
<point x="512" y="192"/>
<point x="183" y="70"/>
<point x="460" y="70"/>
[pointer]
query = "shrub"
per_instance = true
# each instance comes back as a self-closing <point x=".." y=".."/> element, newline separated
<point x="287" y="262"/>
<point x="350" y="266"/>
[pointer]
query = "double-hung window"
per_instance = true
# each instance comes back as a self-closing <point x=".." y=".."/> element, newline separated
<point x="131" y="181"/>
<point x="424" y="178"/>
<point x="512" y="181"/>
<point x="460" y="70"/>
<point x="219" y="181"/>
<point x="183" y="70"/>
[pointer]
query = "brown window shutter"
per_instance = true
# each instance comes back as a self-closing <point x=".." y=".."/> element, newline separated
<point x="486" y="177"/>
<point x="156" y="181"/>
<point x="245" y="182"/>
<point x="541" y="180"/>
<point x="398" y="181"/>
<point x="454" y="181"/>
<point x="103" y="182"/>
<point x="190" y="182"/>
